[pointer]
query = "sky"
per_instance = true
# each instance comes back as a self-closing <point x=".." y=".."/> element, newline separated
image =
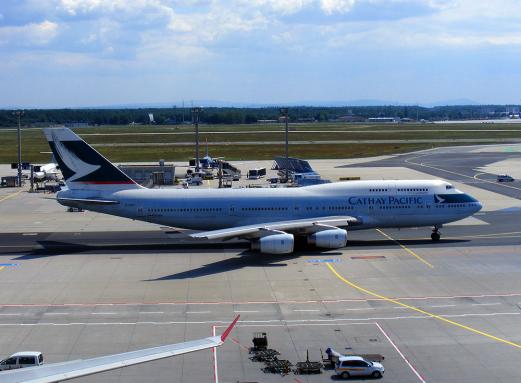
<point x="81" y="53"/>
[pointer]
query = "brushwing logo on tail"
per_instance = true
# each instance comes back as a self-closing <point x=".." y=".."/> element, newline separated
<point x="71" y="160"/>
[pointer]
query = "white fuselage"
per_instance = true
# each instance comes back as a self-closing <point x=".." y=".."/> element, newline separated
<point x="375" y="203"/>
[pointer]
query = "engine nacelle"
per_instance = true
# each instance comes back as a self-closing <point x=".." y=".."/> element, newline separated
<point x="274" y="244"/>
<point x="329" y="239"/>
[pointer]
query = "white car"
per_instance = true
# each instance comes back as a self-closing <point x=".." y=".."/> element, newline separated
<point x="21" y="360"/>
<point x="348" y="366"/>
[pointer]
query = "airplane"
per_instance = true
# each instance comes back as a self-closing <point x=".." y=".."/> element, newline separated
<point x="47" y="172"/>
<point x="209" y="162"/>
<point x="270" y="218"/>
<point x="59" y="372"/>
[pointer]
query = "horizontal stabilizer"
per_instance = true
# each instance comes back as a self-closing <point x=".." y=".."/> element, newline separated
<point x="67" y="201"/>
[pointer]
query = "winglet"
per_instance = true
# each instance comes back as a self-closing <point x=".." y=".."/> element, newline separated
<point x="229" y="329"/>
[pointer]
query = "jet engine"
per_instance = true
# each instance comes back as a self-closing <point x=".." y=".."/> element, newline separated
<point x="328" y="239"/>
<point x="274" y="244"/>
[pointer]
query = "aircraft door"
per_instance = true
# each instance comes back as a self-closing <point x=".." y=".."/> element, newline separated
<point x="298" y="210"/>
<point x="233" y="210"/>
<point x="143" y="213"/>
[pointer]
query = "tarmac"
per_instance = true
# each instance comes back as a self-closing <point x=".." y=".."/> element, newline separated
<point x="76" y="285"/>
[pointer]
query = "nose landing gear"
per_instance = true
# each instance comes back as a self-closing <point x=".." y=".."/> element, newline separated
<point x="436" y="235"/>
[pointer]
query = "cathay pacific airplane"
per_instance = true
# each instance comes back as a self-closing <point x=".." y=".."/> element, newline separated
<point x="270" y="218"/>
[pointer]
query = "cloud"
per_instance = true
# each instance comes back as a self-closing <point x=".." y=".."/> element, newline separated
<point x="30" y="34"/>
<point x="292" y="38"/>
<point x="332" y="6"/>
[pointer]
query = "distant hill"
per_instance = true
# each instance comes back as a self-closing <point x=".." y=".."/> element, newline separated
<point x="310" y="103"/>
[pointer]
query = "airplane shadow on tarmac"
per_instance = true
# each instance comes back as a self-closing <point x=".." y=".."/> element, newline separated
<point x="244" y="259"/>
<point x="255" y="259"/>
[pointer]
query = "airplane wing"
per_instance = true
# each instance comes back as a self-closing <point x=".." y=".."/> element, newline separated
<point x="58" y="372"/>
<point x="303" y="225"/>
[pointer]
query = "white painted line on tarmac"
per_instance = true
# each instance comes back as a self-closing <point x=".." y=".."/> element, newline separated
<point x="56" y="313"/>
<point x="245" y="311"/>
<point x="306" y="311"/>
<point x="264" y="322"/>
<point x="106" y="313"/>
<point x="481" y="315"/>
<point x="439" y="306"/>
<point x="12" y="314"/>
<point x="325" y="301"/>
<point x="486" y="304"/>
<point x="152" y="312"/>
<point x="361" y="309"/>
<point x="198" y="312"/>
<point x="214" y="353"/>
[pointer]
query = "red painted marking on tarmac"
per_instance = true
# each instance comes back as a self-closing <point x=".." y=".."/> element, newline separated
<point x="179" y="303"/>
<point x="236" y="341"/>
<point x="297" y="380"/>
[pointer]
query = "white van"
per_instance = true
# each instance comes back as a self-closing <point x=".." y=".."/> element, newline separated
<point x="21" y="360"/>
<point x="348" y="366"/>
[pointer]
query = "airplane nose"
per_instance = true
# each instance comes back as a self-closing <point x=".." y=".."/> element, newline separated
<point x="479" y="206"/>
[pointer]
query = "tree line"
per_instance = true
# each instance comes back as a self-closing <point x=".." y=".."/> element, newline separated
<point x="229" y="115"/>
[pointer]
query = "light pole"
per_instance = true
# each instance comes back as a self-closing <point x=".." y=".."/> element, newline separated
<point x="195" y="118"/>
<point x="19" y="114"/>
<point x="284" y="112"/>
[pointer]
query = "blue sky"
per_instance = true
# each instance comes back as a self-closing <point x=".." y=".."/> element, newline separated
<point x="68" y="53"/>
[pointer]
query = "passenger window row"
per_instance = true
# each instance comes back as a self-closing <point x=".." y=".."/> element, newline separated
<point x="413" y="189"/>
<point x="452" y="205"/>
<point x="263" y="208"/>
<point x="205" y="209"/>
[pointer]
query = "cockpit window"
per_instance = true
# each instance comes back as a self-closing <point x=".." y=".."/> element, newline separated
<point x="448" y="187"/>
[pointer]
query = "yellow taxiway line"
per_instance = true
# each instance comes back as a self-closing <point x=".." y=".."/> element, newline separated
<point x="405" y="248"/>
<point x="10" y="195"/>
<point x="435" y="316"/>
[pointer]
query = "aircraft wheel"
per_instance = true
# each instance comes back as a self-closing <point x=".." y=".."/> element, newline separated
<point x="435" y="236"/>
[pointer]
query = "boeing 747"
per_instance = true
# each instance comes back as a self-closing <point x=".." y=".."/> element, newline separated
<point x="270" y="218"/>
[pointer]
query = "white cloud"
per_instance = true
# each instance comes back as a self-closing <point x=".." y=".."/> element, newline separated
<point x="276" y="6"/>
<point x="333" y="6"/>
<point x="136" y="29"/>
<point x="29" y="34"/>
<point x="75" y="7"/>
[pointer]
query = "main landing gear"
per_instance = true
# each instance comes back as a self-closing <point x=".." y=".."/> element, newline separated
<point x="435" y="236"/>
